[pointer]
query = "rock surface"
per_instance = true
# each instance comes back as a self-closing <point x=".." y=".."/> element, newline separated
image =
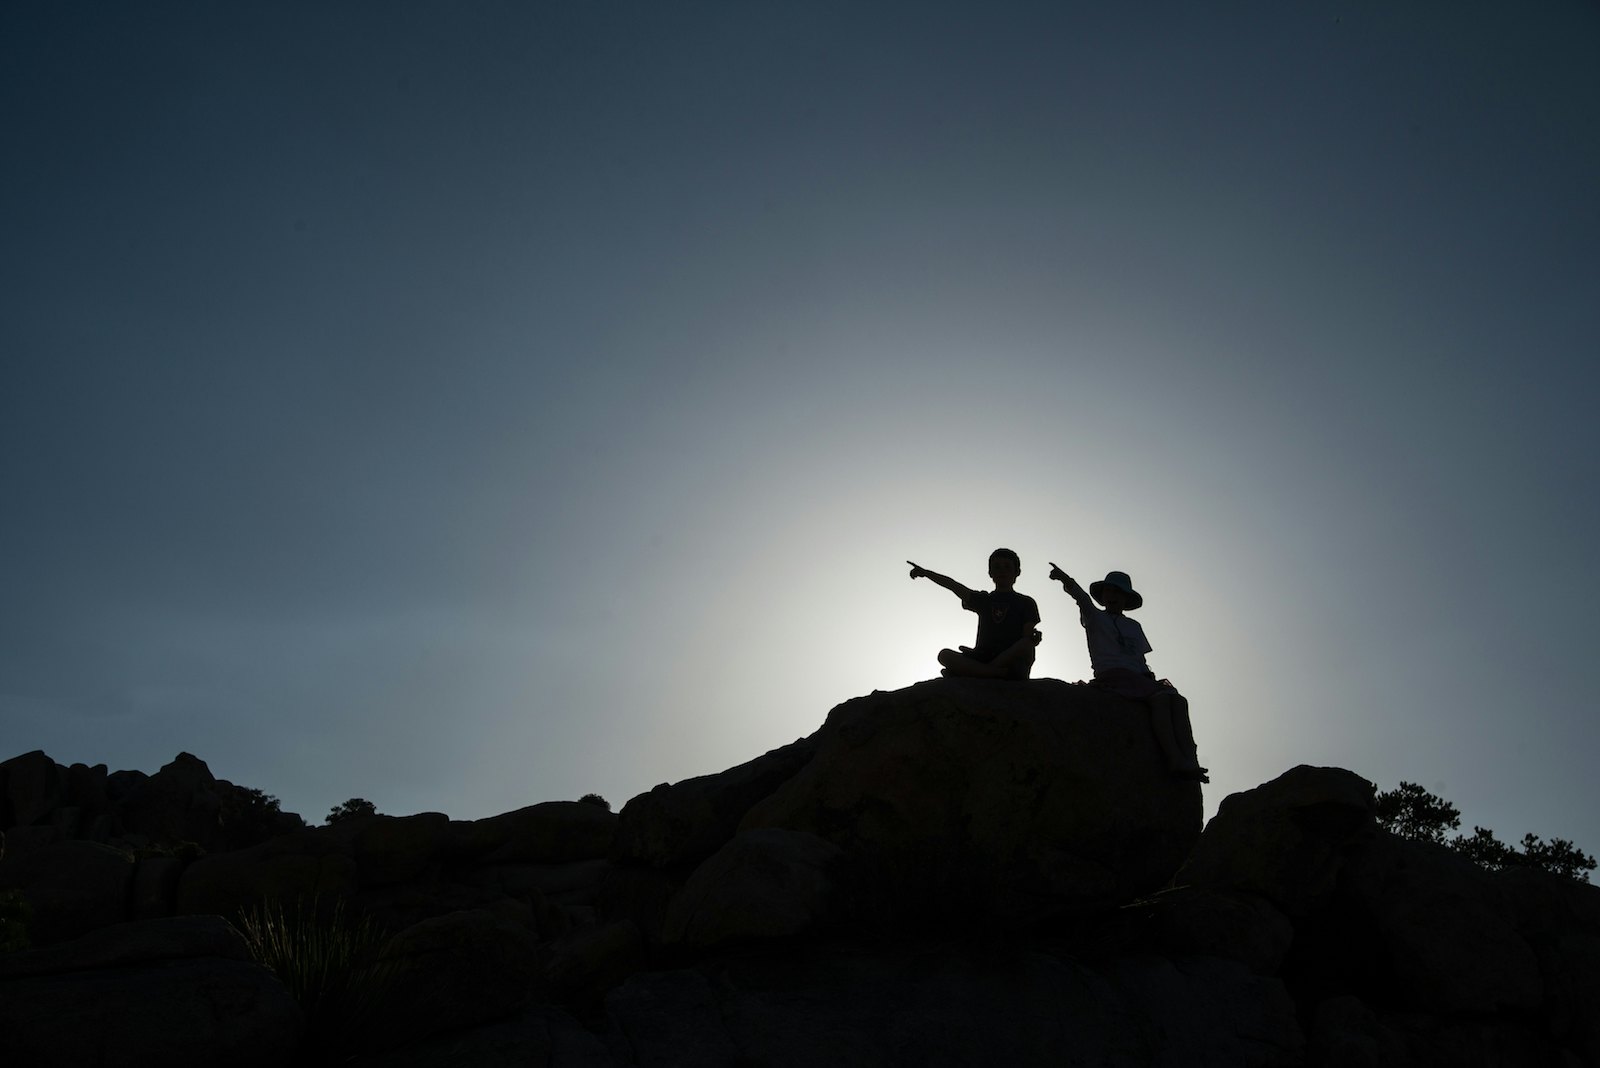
<point x="960" y="872"/>
<point x="1047" y="795"/>
<point x="75" y="886"/>
<point x="1287" y="840"/>
<point x="685" y="822"/>
<point x="846" y="1005"/>
<point x="766" y="883"/>
<point x="453" y="972"/>
<point x="156" y="994"/>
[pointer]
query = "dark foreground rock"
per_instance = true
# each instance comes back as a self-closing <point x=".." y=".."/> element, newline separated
<point x="1039" y="795"/>
<point x="845" y="1004"/>
<point x="156" y="993"/>
<point x="956" y="873"/>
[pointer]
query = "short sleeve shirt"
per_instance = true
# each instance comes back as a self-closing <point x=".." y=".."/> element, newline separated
<point x="1115" y="642"/>
<point x="1005" y="617"/>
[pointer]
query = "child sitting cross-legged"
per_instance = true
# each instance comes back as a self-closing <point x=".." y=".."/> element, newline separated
<point x="1006" y="622"/>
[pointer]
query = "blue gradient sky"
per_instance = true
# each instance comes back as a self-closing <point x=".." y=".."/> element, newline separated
<point x="461" y="406"/>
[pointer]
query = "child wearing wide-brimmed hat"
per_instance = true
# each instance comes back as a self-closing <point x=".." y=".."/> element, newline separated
<point x="1117" y="647"/>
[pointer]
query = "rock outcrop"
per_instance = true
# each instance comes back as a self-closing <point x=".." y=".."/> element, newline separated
<point x="959" y="872"/>
<point x="183" y="804"/>
<point x="1042" y="795"/>
<point x="1396" y="951"/>
<point x="155" y="993"/>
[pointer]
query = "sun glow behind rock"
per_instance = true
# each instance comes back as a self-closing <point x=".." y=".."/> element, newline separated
<point x="675" y="372"/>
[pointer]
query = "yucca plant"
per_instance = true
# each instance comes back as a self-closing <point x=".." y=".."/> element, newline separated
<point x="326" y="957"/>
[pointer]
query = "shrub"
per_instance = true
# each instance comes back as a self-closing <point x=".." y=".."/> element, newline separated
<point x="326" y="958"/>
<point x="249" y="816"/>
<point x="356" y="806"/>
<point x="1412" y="812"/>
<point x="1557" y="856"/>
<point x="596" y="799"/>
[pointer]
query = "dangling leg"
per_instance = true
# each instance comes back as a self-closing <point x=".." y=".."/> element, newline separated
<point x="1182" y="729"/>
<point x="1169" y="716"/>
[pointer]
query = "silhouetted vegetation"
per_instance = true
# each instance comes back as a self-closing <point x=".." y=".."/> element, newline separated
<point x="249" y="815"/>
<point x="1557" y="856"/>
<point x="15" y="912"/>
<point x="356" y="806"/>
<point x="328" y="960"/>
<point x="596" y="799"/>
<point x="1412" y="812"/>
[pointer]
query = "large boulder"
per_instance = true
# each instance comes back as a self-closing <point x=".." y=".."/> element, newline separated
<point x="1346" y="1032"/>
<point x="542" y="1036"/>
<point x="945" y="1004"/>
<point x="687" y="821"/>
<point x="31" y="786"/>
<point x="155" y="887"/>
<point x="311" y="865"/>
<point x="1447" y="927"/>
<point x="179" y="803"/>
<point x="1287" y="840"/>
<point x="767" y="883"/>
<point x="73" y="887"/>
<point x="1018" y="798"/>
<point x="1221" y="923"/>
<point x="122" y="944"/>
<point x="552" y="832"/>
<point x="397" y="849"/>
<point x="184" y="802"/>
<point x="161" y="993"/>
<point x="585" y="963"/>
<point x="573" y="883"/>
<point x="1560" y="919"/>
<point x="86" y="787"/>
<point x="1211" y="1013"/>
<point x="454" y="971"/>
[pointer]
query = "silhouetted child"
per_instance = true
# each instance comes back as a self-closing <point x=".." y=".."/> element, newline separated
<point x="1116" y="652"/>
<point x="1006" y="618"/>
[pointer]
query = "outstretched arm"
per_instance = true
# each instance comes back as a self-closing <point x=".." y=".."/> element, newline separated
<point x="918" y="571"/>
<point x="1069" y="584"/>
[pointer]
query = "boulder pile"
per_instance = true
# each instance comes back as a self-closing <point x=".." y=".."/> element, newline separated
<point x="959" y="872"/>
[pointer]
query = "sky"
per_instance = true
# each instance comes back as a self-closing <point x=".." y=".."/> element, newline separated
<point x="461" y="406"/>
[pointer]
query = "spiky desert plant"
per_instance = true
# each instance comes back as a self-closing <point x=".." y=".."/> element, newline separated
<point x="326" y="957"/>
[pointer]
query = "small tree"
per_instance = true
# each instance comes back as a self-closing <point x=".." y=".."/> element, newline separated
<point x="1412" y="812"/>
<point x="356" y="806"/>
<point x="1484" y="849"/>
<point x="596" y="799"/>
<point x="1558" y="856"/>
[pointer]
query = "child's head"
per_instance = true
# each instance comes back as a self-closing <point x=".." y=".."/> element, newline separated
<point x="1116" y="592"/>
<point x="1004" y="566"/>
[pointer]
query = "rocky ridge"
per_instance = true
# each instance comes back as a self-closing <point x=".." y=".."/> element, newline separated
<point x="959" y="872"/>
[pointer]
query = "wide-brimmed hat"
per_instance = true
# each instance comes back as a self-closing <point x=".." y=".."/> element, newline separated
<point x="1122" y="582"/>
